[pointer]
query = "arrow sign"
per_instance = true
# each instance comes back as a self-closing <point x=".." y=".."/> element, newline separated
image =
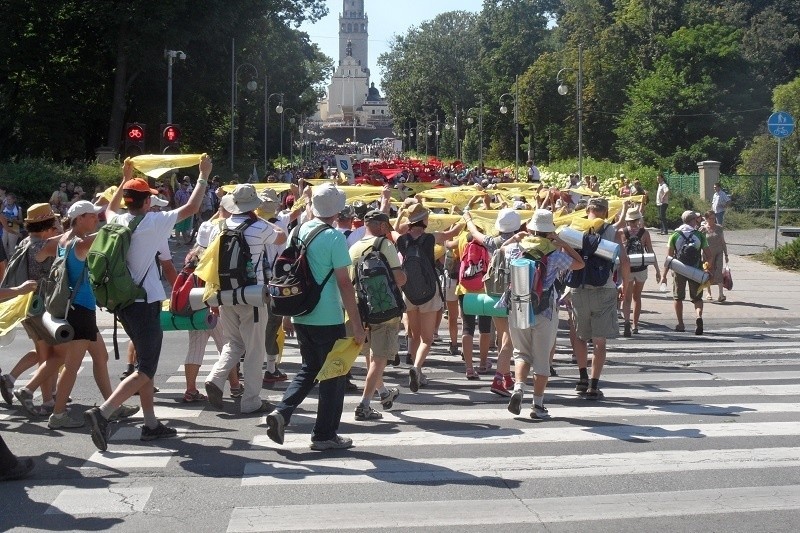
<point x="780" y="124"/>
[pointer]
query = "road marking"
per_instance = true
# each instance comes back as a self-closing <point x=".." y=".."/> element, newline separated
<point x="109" y="500"/>
<point x="150" y="458"/>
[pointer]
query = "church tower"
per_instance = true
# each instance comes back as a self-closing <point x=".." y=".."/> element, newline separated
<point x="353" y="33"/>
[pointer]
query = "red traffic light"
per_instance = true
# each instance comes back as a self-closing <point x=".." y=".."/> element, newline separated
<point x="171" y="134"/>
<point x="134" y="132"/>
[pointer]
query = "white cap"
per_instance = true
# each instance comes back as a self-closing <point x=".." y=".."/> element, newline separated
<point x="83" y="207"/>
<point x="156" y="201"/>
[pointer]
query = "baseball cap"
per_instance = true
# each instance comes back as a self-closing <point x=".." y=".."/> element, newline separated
<point x="138" y="185"/>
<point x="82" y="207"/>
<point x="597" y="203"/>
<point x="376" y="215"/>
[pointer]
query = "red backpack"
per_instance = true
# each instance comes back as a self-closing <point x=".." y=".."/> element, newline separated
<point x="184" y="283"/>
<point x="474" y="265"/>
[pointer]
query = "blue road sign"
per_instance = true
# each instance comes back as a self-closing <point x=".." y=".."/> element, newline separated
<point x="780" y="124"/>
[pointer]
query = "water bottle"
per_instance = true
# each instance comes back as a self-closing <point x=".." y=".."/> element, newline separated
<point x="251" y="273"/>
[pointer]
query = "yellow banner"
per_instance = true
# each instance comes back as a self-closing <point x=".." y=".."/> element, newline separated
<point x="156" y="165"/>
<point x="339" y="359"/>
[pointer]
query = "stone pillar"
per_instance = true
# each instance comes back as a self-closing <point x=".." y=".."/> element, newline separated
<point x="709" y="175"/>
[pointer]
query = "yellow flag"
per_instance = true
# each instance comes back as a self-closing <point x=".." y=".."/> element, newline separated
<point x="208" y="267"/>
<point x="277" y="187"/>
<point x="156" y="165"/>
<point x="14" y="311"/>
<point x="339" y="359"/>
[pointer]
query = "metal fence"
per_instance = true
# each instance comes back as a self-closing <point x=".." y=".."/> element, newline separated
<point x="749" y="191"/>
<point x="686" y="184"/>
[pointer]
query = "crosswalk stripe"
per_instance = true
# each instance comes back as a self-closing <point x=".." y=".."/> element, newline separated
<point x="120" y="458"/>
<point x="343" y="470"/>
<point x="429" y="514"/>
<point x="542" y="433"/>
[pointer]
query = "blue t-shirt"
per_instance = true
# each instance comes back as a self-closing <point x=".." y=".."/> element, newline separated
<point x="75" y="271"/>
<point x="327" y="251"/>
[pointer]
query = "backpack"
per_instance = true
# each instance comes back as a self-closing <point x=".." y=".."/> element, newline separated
<point x="596" y="270"/>
<point x="474" y="265"/>
<point x="379" y="298"/>
<point x="686" y="252"/>
<point x="634" y="246"/>
<point x="57" y="294"/>
<point x="497" y="278"/>
<point x="539" y="297"/>
<point x="419" y="268"/>
<point x="184" y="283"/>
<point x="111" y="281"/>
<point x="450" y="263"/>
<point x="17" y="269"/>
<point x="293" y="289"/>
<point x="235" y="265"/>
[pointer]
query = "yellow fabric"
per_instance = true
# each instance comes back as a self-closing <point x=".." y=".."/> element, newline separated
<point x="277" y="187"/>
<point x="109" y="193"/>
<point x="438" y="251"/>
<point x="208" y="268"/>
<point x="14" y="311"/>
<point x="156" y="165"/>
<point x="281" y="341"/>
<point x="541" y="245"/>
<point x="441" y="222"/>
<point x="340" y="359"/>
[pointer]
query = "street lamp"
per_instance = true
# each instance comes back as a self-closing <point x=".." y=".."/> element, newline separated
<point x="452" y="124"/>
<point x="503" y="109"/>
<point x="291" y="131"/>
<point x="251" y="85"/>
<point x="266" y="113"/>
<point x="171" y="55"/>
<point x="563" y="90"/>
<point x="279" y="110"/>
<point x="480" y="129"/>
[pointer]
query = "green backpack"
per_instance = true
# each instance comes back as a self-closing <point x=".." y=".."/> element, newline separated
<point x="111" y="281"/>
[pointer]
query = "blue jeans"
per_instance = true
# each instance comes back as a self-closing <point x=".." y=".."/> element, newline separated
<point x="662" y="217"/>
<point x="142" y="323"/>
<point x="719" y="216"/>
<point x="315" y="344"/>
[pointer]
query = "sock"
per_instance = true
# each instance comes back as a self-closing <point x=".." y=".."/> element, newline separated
<point x="593" y="383"/>
<point x="519" y="386"/>
<point x="383" y="390"/>
<point x="130" y="369"/>
<point x="272" y="364"/>
<point x="51" y="403"/>
<point x="584" y="374"/>
<point x="107" y="409"/>
<point x="10" y="379"/>
<point x="150" y="419"/>
<point x="538" y="400"/>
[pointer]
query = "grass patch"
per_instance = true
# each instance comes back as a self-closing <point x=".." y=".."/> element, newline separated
<point x="785" y="256"/>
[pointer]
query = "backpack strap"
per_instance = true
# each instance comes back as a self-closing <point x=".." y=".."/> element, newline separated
<point x="309" y="239"/>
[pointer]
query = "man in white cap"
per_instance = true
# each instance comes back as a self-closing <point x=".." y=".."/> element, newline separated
<point x="688" y="245"/>
<point x="244" y="325"/>
<point x="319" y="330"/>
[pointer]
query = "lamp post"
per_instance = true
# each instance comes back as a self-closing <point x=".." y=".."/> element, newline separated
<point x="252" y="85"/>
<point x="171" y="55"/>
<point x="563" y="90"/>
<point x="503" y="109"/>
<point x="451" y="125"/>
<point x="291" y="131"/>
<point x="266" y="111"/>
<point x="279" y="110"/>
<point x="480" y="130"/>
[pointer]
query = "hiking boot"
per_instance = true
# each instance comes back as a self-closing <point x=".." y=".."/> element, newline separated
<point x="274" y="377"/>
<point x="499" y="387"/>
<point x="387" y="400"/>
<point x="336" y="443"/>
<point x="237" y="392"/>
<point x="6" y="390"/>
<point x="366" y="412"/>
<point x="25" y="398"/>
<point x="515" y="403"/>
<point x="539" y="412"/>
<point x="413" y="379"/>
<point x="98" y="426"/>
<point x="159" y="432"/>
<point x="122" y="412"/>
<point x="275" y="427"/>
<point x="454" y="350"/>
<point x="581" y="386"/>
<point x="698" y="330"/>
<point x="626" y="332"/>
<point x="214" y="394"/>
<point x="63" y="421"/>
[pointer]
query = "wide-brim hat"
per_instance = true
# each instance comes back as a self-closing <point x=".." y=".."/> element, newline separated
<point x="542" y="221"/>
<point x="507" y="221"/>
<point x="244" y="198"/>
<point x="327" y="200"/>
<point x="39" y="213"/>
<point x="633" y="214"/>
<point x="418" y="213"/>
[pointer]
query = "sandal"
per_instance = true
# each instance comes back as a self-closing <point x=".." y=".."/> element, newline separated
<point x="193" y="396"/>
<point x="486" y="369"/>
<point x="721" y="299"/>
<point x="472" y="375"/>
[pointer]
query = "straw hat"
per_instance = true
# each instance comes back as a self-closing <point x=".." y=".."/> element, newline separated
<point x="417" y="213"/>
<point x="39" y="213"/>
<point x="633" y="214"/>
<point x="243" y="199"/>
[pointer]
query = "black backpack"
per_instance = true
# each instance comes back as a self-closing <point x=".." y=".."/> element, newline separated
<point x="596" y="270"/>
<point x="634" y="245"/>
<point x="235" y="265"/>
<point x="379" y="298"/>
<point x="419" y="270"/>
<point x="293" y="289"/>
<point x="685" y="252"/>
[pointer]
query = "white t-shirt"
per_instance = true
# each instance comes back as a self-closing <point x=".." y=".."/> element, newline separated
<point x="356" y="235"/>
<point x="533" y="174"/>
<point x="662" y="194"/>
<point x="282" y="220"/>
<point x="258" y="235"/>
<point x="148" y="238"/>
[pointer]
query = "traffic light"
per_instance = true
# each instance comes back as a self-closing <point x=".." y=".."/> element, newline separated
<point x="134" y="139"/>
<point x="170" y="139"/>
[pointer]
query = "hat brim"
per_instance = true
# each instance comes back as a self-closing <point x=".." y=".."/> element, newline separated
<point x="629" y="218"/>
<point x="237" y="209"/>
<point x="541" y="228"/>
<point x="33" y="220"/>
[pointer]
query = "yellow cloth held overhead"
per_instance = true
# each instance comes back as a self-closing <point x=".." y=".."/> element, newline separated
<point x="277" y="187"/>
<point x="339" y="359"/>
<point x="156" y="165"/>
<point x="14" y="311"/>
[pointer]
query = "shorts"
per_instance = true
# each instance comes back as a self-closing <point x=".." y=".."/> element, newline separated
<point x="84" y="322"/>
<point x="595" y="312"/>
<point x="449" y="285"/>
<point x="640" y="276"/>
<point x="434" y="305"/>
<point x="198" y="340"/>
<point x="468" y="321"/>
<point x="533" y="345"/>
<point x="679" y="289"/>
<point x="142" y="323"/>
<point x="382" y="339"/>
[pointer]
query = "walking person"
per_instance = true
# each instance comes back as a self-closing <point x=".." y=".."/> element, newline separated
<point x="11" y="228"/>
<point x="690" y="247"/>
<point x="141" y="319"/>
<point x="717" y="250"/>
<point x="662" y="202"/>
<point x="636" y="240"/>
<point x="319" y="330"/>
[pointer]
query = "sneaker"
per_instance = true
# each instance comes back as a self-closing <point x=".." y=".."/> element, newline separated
<point x="413" y="379"/>
<point x="193" y="396"/>
<point x="409" y="360"/>
<point x="366" y="412"/>
<point x="387" y="400"/>
<point x="423" y="379"/>
<point x="98" y="426"/>
<point x="515" y="403"/>
<point x="25" y="398"/>
<point x="582" y="386"/>
<point x="396" y="361"/>
<point x="237" y="392"/>
<point x="454" y="350"/>
<point x="23" y="468"/>
<point x="553" y="372"/>
<point x="627" y="329"/>
<point x="539" y="412"/>
<point x="349" y="386"/>
<point x="214" y="395"/>
<point x="336" y="443"/>
<point x="7" y="390"/>
<point x="508" y="381"/>
<point x="274" y="377"/>
<point x="593" y="394"/>
<point x="125" y="375"/>
<point x="275" y="427"/>
<point x="265" y="407"/>
<point x="159" y="432"/>
<point x="63" y="421"/>
<point x="122" y="412"/>
<point x="698" y="330"/>
<point x="635" y="330"/>
<point x="499" y="387"/>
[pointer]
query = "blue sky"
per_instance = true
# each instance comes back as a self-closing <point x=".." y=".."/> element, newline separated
<point x="386" y="18"/>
